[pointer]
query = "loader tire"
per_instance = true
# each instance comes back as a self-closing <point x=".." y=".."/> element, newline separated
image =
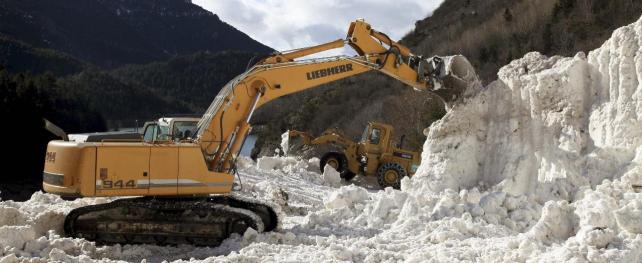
<point x="339" y="162"/>
<point x="390" y="175"/>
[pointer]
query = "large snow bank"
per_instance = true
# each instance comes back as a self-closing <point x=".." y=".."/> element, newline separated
<point x="548" y="128"/>
<point x="540" y="166"/>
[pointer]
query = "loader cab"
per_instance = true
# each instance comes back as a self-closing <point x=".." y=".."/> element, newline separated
<point x="169" y="129"/>
<point x="375" y="137"/>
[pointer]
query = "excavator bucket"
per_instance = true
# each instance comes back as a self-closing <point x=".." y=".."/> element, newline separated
<point x="453" y="77"/>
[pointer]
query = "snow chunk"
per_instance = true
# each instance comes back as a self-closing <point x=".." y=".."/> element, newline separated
<point x="16" y="236"/>
<point x="285" y="142"/>
<point x="11" y="258"/>
<point x="629" y="217"/>
<point x="345" y="197"/>
<point x="330" y="176"/>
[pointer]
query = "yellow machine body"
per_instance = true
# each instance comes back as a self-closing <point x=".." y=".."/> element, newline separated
<point x="367" y="156"/>
<point x="130" y="169"/>
<point x="384" y="151"/>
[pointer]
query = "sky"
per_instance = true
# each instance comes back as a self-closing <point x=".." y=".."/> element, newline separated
<point x="290" y="24"/>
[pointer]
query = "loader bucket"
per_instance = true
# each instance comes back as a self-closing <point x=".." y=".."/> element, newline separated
<point x="453" y="77"/>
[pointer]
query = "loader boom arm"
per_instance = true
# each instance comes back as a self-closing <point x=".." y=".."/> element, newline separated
<point x="332" y="136"/>
<point x="224" y="126"/>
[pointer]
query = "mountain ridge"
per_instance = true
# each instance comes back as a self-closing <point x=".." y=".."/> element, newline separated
<point x="115" y="33"/>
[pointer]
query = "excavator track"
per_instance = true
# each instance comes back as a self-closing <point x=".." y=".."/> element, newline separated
<point x="204" y="221"/>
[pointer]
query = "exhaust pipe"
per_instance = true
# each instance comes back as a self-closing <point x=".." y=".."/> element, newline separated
<point x="452" y="77"/>
<point x="53" y="128"/>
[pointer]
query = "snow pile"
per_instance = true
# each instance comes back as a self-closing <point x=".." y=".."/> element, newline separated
<point x="526" y="133"/>
<point x="548" y="126"/>
<point x="29" y="229"/>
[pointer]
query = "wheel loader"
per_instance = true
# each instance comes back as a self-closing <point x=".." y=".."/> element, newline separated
<point x="180" y="191"/>
<point x="373" y="155"/>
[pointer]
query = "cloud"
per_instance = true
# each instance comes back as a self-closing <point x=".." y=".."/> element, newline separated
<point x="290" y="24"/>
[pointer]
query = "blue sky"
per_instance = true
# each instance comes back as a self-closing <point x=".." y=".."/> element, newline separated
<point x="289" y="24"/>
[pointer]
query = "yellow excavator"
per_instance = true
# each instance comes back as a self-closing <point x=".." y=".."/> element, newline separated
<point x="182" y="186"/>
<point x="374" y="155"/>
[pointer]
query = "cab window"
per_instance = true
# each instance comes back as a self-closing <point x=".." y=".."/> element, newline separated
<point x="150" y="133"/>
<point x="375" y="136"/>
<point x="163" y="133"/>
<point x="364" y="136"/>
<point x="183" y="129"/>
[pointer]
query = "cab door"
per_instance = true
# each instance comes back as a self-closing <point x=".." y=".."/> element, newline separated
<point x="374" y="140"/>
<point x="122" y="169"/>
<point x="163" y="169"/>
<point x="373" y="148"/>
<point x="163" y="162"/>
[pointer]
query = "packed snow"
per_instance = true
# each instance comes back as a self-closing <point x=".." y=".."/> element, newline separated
<point x="285" y="142"/>
<point x="543" y="165"/>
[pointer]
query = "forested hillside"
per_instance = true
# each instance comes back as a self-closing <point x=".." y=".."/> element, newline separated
<point x="26" y="100"/>
<point x="490" y="33"/>
<point x="18" y="56"/>
<point x="192" y="81"/>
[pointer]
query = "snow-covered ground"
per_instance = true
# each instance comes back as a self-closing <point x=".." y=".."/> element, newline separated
<point x="543" y="165"/>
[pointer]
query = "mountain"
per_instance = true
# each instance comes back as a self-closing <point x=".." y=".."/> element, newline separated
<point x="489" y="33"/>
<point x="112" y="33"/>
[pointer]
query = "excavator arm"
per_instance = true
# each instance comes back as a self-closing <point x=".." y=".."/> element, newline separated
<point x="224" y="126"/>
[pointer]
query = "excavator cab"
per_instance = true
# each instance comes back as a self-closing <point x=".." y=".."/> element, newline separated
<point x="169" y="129"/>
